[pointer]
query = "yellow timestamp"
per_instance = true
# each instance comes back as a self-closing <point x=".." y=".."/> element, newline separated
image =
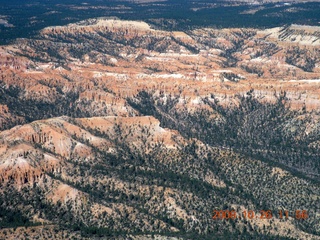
<point x="262" y="214"/>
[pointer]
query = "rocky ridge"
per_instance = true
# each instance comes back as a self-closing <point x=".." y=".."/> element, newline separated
<point x="111" y="127"/>
<point x="82" y="167"/>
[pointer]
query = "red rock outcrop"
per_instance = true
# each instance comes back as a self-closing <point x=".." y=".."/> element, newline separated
<point x="31" y="151"/>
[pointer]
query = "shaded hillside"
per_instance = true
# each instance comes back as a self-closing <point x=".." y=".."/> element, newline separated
<point x="131" y="176"/>
<point x="270" y="131"/>
<point x="114" y="129"/>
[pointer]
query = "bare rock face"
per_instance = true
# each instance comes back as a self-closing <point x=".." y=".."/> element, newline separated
<point x="30" y="151"/>
<point x="110" y="127"/>
<point x="40" y="156"/>
<point x="89" y="168"/>
<point x="90" y="68"/>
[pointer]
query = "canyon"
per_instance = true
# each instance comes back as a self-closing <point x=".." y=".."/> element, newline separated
<point x="113" y="128"/>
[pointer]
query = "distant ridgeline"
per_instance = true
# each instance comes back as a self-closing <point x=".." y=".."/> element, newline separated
<point x="186" y="15"/>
